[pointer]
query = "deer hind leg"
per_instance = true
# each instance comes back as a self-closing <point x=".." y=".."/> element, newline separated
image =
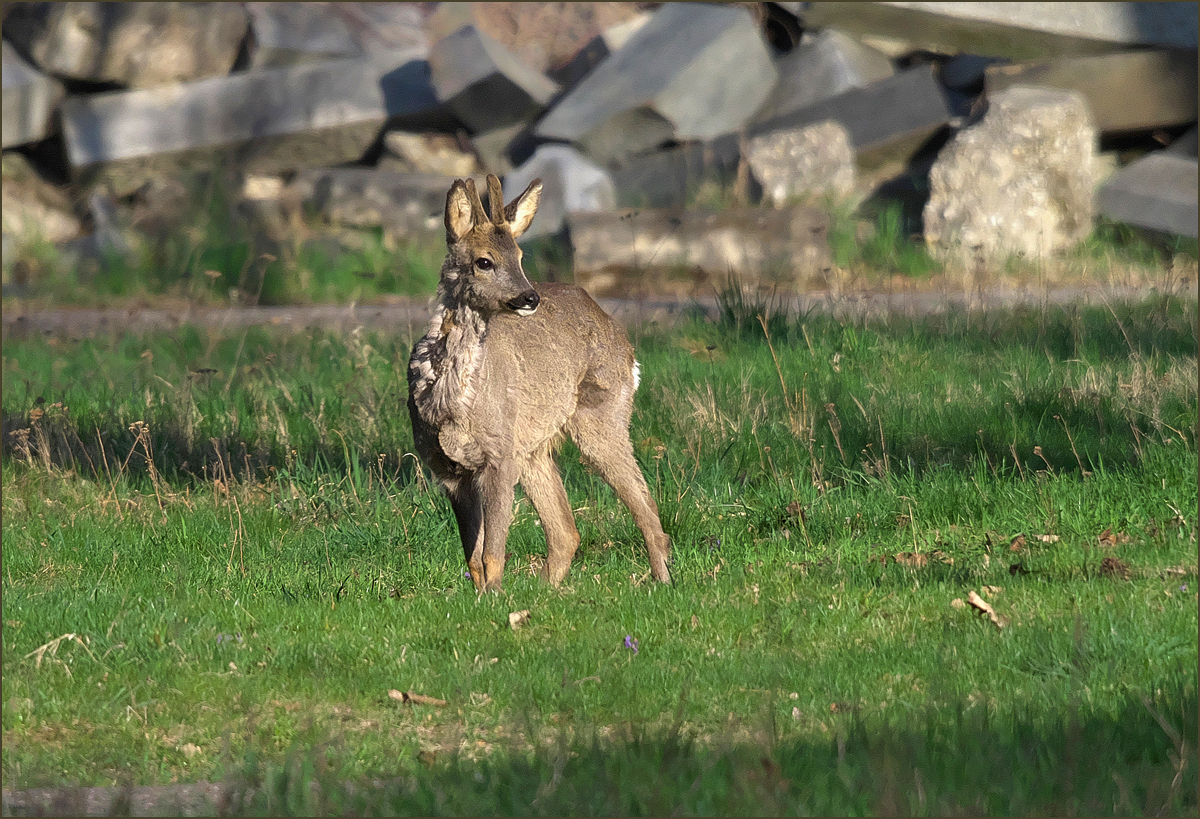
<point x="543" y="484"/>
<point x="602" y="435"/>
<point x="467" y="503"/>
<point x="498" y="485"/>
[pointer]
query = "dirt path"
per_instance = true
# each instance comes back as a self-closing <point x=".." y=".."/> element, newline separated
<point x="409" y="316"/>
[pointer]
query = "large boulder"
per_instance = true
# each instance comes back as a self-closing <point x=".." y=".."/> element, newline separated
<point x="692" y="72"/>
<point x="1017" y="182"/>
<point x="483" y="83"/>
<point x="30" y="101"/>
<point x="801" y="163"/>
<point x="570" y="184"/>
<point x="261" y="121"/>
<point x="139" y="45"/>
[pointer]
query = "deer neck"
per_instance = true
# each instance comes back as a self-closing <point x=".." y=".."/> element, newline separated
<point x="445" y="360"/>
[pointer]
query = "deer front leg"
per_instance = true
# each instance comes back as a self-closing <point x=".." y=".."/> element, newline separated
<point x="467" y="503"/>
<point x="498" y="485"/>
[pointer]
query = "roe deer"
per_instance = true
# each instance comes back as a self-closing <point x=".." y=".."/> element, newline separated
<point x="505" y="371"/>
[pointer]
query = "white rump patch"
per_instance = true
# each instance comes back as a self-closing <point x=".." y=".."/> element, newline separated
<point x="637" y="373"/>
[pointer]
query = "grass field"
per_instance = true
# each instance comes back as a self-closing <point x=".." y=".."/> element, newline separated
<point x="220" y="557"/>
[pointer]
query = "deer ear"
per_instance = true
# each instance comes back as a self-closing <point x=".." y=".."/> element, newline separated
<point x="520" y="211"/>
<point x="460" y="215"/>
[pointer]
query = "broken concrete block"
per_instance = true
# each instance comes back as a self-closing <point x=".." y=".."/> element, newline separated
<point x="438" y="154"/>
<point x="801" y="163"/>
<point x="262" y="121"/>
<point x="484" y="85"/>
<point x="492" y="148"/>
<point x="1157" y="192"/>
<point x="286" y="34"/>
<point x="1131" y="91"/>
<point x="675" y="178"/>
<point x="595" y="52"/>
<point x="139" y="45"/>
<point x="1019" y="31"/>
<point x="403" y="204"/>
<point x="887" y="120"/>
<point x="30" y="100"/>
<point x="1018" y="182"/>
<point x="692" y="72"/>
<point x="688" y="253"/>
<point x="829" y="64"/>
<point x="570" y="183"/>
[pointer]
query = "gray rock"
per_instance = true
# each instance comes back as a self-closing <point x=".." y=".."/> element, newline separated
<point x="1019" y="181"/>
<point x="260" y="121"/>
<point x="284" y="34"/>
<point x="1157" y="192"/>
<point x="889" y="119"/>
<point x="1020" y="31"/>
<point x="293" y="33"/>
<point x="139" y="45"/>
<point x="823" y="67"/>
<point x="1185" y="144"/>
<point x="796" y="163"/>
<point x="438" y="154"/>
<point x="688" y="253"/>
<point x="405" y="205"/>
<point x="692" y="72"/>
<point x="679" y="177"/>
<point x="1130" y="91"/>
<point x="483" y="83"/>
<point x="30" y="100"/>
<point x="570" y="184"/>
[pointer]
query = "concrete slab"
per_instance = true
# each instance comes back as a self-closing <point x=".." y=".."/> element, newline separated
<point x="689" y="253"/>
<point x="825" y="66"/>
<point x="1157" y="192"/>
<point x="483" y="83"/>
<point x="692" y="72"/>
<point x="30" y="99"/>
<point x="1019" y="31"/>
<point x="1131" y="91"/>
<point x="261" y="121"/>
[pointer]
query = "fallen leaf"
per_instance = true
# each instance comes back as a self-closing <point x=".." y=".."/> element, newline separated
<point x="992" y="591"/>
<point x="957" y="603"/>
<point x="480" y="699"/>
<point x="914" y="559"/>
<point x="942" y="557"/>
<point x="516" y="619"/>
<point x="1114" y="567"/>
<point x="986" y="607"/>
<point x="190" y="750"/>
<point x="695" y="622"/>
<point x="1109" y="540"/>
<point x="795" y="712"/>
<point x="1017" y="544"/>
<point x="1047" y="538"/>
<point x="414" y="699"/>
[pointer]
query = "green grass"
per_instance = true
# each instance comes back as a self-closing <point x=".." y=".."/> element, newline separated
<point x="248" y="559"/>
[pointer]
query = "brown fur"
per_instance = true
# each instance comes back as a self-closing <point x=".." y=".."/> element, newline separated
<point x="492" y="392"/>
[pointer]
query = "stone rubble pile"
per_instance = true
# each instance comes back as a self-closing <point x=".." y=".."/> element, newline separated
<point x="680" y="143"/>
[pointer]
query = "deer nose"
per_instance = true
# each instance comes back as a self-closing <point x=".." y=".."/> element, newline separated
<point x="526" y="303"/>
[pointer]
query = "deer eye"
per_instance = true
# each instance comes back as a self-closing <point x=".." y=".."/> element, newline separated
<point x="484" y="263"/>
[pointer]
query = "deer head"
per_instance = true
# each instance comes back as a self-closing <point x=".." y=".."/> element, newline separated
<point x="483" y="267"/>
